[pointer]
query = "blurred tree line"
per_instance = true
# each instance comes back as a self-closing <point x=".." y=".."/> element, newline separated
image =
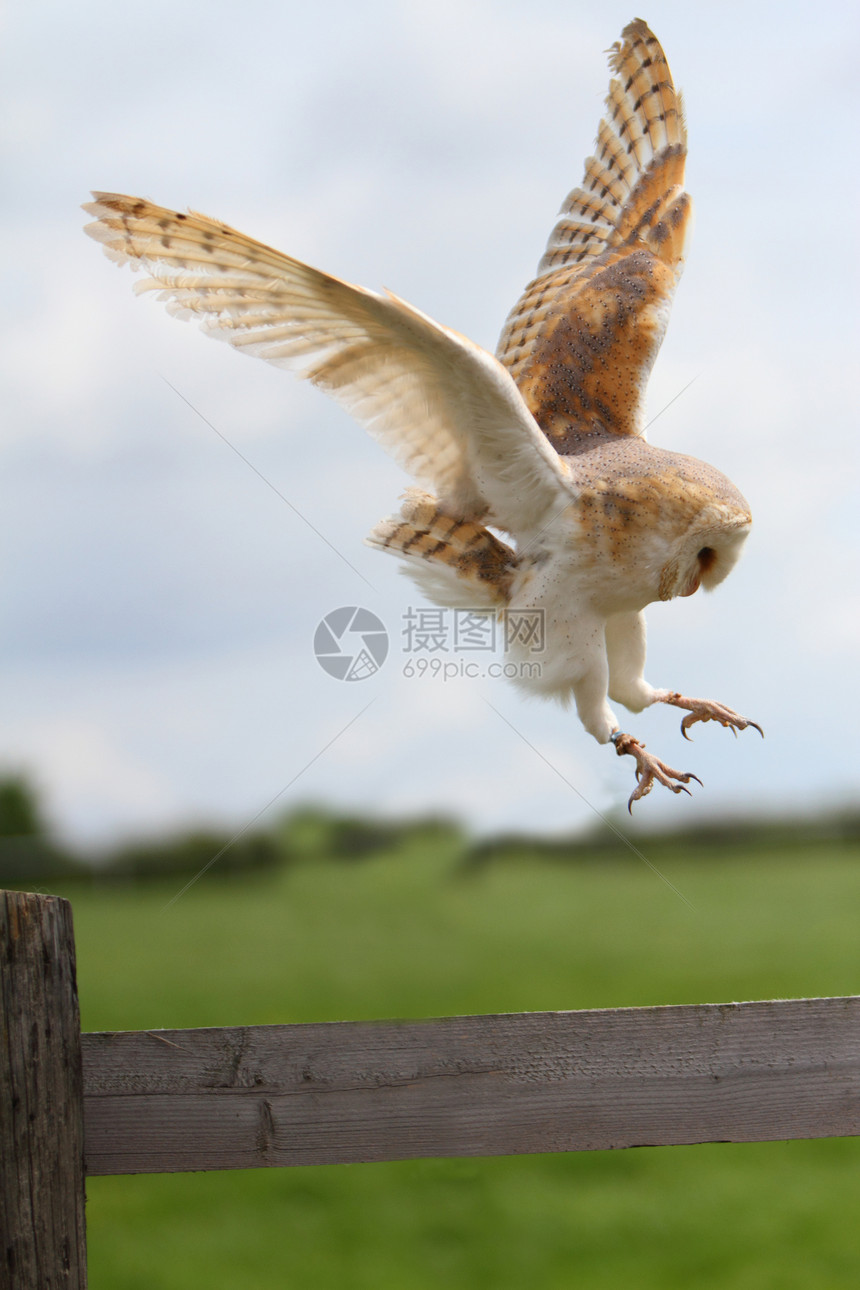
<point x="30" y="854"/>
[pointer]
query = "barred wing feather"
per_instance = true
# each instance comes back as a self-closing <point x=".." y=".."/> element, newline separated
<point x="447" y="411"/>
<point x="581" y="341"/>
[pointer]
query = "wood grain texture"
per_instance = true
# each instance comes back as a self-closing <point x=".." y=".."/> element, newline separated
<point x="42" y="1234"/>
<point x="240" y="1098"/>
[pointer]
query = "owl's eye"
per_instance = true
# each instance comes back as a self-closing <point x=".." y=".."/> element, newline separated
<point x="707" y="558"/>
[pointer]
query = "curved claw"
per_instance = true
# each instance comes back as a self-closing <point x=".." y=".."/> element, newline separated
<point x="649" y="769"/>
<point x="706" y="710"/>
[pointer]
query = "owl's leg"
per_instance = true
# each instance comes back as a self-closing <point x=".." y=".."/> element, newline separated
<point x="606" y="659"/>
<point x="705" y="710"/>
<point x="625" y="650"/>
<point x="591" y="683"/>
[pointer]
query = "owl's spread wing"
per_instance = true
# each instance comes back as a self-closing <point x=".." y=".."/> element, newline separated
<point x="447" y="411"/>
<point x="582" y="339"/>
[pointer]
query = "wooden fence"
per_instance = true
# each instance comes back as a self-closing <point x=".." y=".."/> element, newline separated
<point x="244" y="1097"/>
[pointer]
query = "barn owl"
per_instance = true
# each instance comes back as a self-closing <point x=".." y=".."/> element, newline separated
<point x="544" y="442"/>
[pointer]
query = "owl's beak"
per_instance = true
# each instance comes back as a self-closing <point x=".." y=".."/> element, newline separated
<point x="692" y="586"/>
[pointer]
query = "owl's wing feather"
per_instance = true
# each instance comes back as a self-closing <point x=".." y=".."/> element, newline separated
<point x="443" y="407"/>
<point x="582" y="339"/>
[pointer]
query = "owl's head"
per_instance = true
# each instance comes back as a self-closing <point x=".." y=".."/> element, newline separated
<point x="718" y="521"/>
<point x="704" y="559"/>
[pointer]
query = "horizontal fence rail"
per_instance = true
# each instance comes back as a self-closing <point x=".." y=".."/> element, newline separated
<point x="164" y="1101"/>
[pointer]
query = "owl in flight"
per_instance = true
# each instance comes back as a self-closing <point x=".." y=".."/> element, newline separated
<point x="544" y="442"/>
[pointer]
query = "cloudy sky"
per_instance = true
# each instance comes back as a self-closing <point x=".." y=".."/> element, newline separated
<point x="159" y="595"/>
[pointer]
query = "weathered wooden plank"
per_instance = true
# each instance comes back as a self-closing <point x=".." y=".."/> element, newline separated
<point x="238" y="1098"/>
<point x="42" y="1235"/>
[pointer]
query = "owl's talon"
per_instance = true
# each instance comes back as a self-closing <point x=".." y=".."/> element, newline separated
<point x="708" y="710"/>
<point x="649" y="769"/>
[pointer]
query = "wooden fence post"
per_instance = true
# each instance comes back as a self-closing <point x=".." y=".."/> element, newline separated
<point x="42" y="1232"/>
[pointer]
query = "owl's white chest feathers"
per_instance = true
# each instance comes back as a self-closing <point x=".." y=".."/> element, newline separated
<point x="572" y="588"/>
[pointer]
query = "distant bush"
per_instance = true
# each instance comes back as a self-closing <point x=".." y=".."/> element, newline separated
<point x="30" y="862"/>
<point x="28" y="855"/>
<point x="188" y="853"/>
<point x="20" y="813"/>
<point x="313" y="832"/>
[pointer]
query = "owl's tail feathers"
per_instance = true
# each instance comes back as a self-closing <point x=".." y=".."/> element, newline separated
<point x="455" y="563"/>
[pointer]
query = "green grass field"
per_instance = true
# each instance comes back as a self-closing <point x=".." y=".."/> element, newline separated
<point x="409" y="935"/>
